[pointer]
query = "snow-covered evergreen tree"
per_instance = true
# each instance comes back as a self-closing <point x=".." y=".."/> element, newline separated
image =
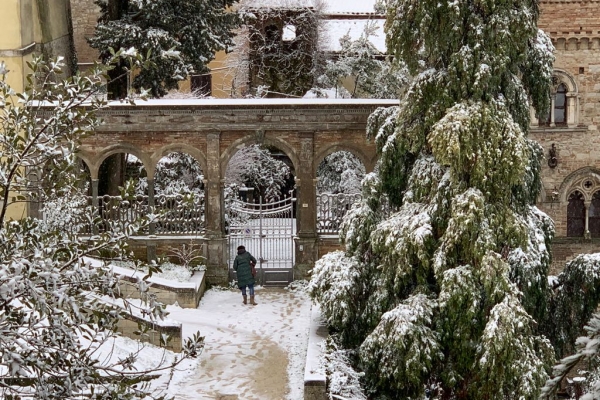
<point x="359" y="70"/>
<point x="449" y="294"/>
<point x="177" y="173"/>
<point x="254" y="166"/>
<point x="177" y="37"/>
<point x="53" y="317"/>
<point x="340" y="172"/>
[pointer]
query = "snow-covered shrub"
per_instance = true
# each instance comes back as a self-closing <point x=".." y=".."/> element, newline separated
<point x="52" y="314"/>
<point x="359" y="70"/>
<point x="254" y="166"/>
<point x="343" y="381"/>
<point x="340" y="172"/>
<point x="66" y="213"/>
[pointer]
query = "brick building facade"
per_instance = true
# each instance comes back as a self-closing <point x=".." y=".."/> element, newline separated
<point x="571" y="180"/>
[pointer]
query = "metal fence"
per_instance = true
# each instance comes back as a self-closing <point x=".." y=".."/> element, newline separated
<point x="175" y="214"/>
<point x="331" y="209"/>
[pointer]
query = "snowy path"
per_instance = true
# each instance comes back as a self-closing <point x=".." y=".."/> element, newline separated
<point x="251" y="352"/>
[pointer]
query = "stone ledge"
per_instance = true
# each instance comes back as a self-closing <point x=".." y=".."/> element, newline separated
<point x="315" y="380"/>
<point x="128" y="327"/>
<point x="187" y="295"/>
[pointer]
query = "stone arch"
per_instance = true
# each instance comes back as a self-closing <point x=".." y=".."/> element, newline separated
<point x="364" y="158"/>
<point x="123" y="148"/>
<point x="198" y="155"/>
<point x="561" y="76"/>
<point x="248" y="140"/>
<point x="88" y="163"/>
<point x="586" y="180"/>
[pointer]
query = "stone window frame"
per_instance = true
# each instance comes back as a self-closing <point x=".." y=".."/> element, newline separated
<point x="588" y="184"/>
<point x="572" y="106"/>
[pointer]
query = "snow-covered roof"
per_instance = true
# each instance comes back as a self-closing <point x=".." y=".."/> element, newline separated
<point x="334" y="7"/>
<point x="330" y="7"/>
<point x="335" y="29"/>
<point x="278" y="3"/>
<point x="256" y="102"/>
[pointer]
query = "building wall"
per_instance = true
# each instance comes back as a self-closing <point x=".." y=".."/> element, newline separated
<point x="85" y="16"/>
<point x="29" y="27"/>
<point x="574" y="27"/>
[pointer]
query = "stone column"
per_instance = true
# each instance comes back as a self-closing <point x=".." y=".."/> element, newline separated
<point x="552" y="99"/>
<point x="95" y="210"/>
<point x="533" y="119"/>
<point x="570" y="110"/>
<point x="306" y="208"/>
<point x="216" y="262"/>
<point x="151" y="245"/>
<point x="586" y="232"/>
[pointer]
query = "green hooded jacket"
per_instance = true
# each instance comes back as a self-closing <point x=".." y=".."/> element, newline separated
<point x="242" y="266"/>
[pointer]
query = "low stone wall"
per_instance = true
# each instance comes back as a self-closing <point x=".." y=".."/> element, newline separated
<point x="128" y="328"/>
<point x="328" y="244"/>
<point x="186" y="294"/>
<point x="315" y="381"/>
<point x="565" y="249"/>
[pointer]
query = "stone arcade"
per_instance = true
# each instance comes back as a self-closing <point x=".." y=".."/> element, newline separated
<point x="212" y="131"/>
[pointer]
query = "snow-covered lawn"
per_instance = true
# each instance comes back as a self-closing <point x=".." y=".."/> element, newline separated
<point x="251" y="352"/>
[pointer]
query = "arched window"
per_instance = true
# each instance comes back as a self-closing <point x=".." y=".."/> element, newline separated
<point x="560" y="105"/>
<point x="576" y="215"/>
<point x="594" y="216"/>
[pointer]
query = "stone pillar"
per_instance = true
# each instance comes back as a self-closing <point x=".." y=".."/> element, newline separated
<point x="151" y="246"/>
<point x="306" y="209"/>
<point x="534" y="121"/>
<point x="571" y="110"/>
<point x="95" y="210"/>
<point x="552" y="99"/>
<point x="212" y="188"/>
<point x="586" y="232"/>
<point x="217" y="269"/>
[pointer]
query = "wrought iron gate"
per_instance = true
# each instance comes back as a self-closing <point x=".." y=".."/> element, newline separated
<point x="266" y="230"/>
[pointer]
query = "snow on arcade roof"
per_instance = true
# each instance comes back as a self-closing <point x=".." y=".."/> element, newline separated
<point x="258" y="102"/>
<point x="335" y="29"/>
<point x="330" y="7"/>
<point x="337" y="7"/>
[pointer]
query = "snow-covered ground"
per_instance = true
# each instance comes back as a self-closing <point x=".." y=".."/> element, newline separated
<point x="251" y="352"/>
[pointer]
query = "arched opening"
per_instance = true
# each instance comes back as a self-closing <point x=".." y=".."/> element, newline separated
<point x="119" y="172"/>
<point x="178" y="195"/>
<point x="338" y="187"/>
<point x="258" y="172"/>
<point x="560" y="105"/>
<point x="576" y="215"/>
<point x="259" y="210"/>
<point x="122" y="192"/>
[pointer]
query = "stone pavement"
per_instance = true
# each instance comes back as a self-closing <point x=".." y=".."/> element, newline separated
<point x="251" y="352"/>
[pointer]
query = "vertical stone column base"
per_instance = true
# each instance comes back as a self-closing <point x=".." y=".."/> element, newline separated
<point x="306" y="255"/>
<point x="151" y="251"/>
<point x="217" y="268"/>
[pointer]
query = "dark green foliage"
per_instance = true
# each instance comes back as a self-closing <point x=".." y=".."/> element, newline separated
<point x="178" y="37"/>
<point x="461" y="266"/>
<point x="576" y="299"/>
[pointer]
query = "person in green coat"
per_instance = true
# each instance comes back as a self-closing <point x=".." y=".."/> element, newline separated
<point x="244" y="266"/>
